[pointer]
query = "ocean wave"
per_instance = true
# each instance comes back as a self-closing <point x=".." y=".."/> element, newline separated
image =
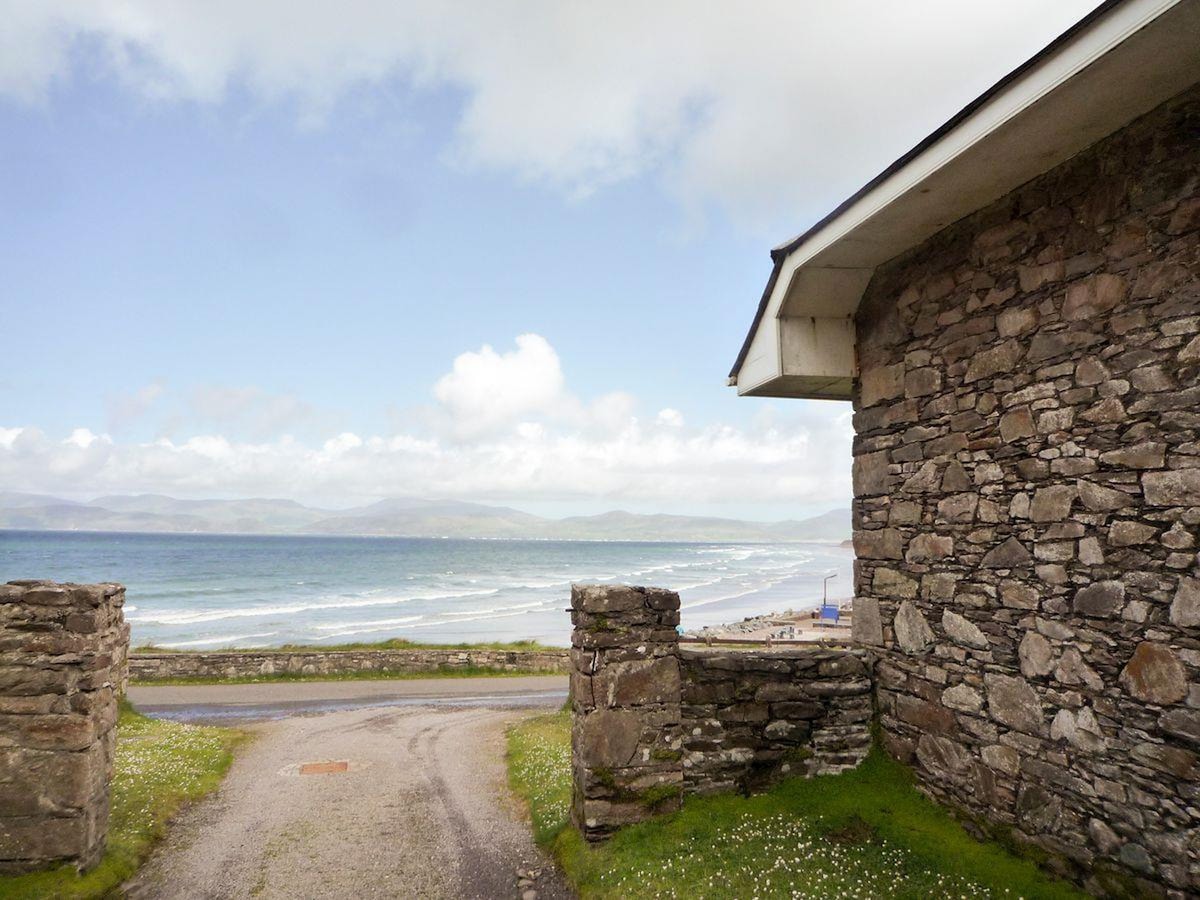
<point x="539" y="585"/>
<point x="776" y="574"/>
<point x="481" y="618"/>
<point x="402" y="620"/>
<point x="526" y="584"/>
<point x="224" y="639"/>
<point x="744" y="554"/>
<point x="518" y="581"/>
<point x="176" y="591"/>
<point x="493" y="609"/>
<point x="709" y="583"/>
<point x="755" y="589"/>
<point x="758" y="582"/>
<point x="649" y="569"/>
<point x="432" y="624"/>
<point x="216" y="615"/>
<point x="793" y="565"/>
<point x="710" y="600"/>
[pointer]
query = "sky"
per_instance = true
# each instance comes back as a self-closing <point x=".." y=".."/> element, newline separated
<point x="504" y="252"/>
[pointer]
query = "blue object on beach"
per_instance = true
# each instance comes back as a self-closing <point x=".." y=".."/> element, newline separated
<point x="830" y="613"/>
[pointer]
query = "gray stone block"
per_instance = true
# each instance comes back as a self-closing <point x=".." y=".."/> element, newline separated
<point x="64" y="650"/>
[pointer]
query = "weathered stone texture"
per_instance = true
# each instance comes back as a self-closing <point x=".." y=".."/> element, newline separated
<point x="1044" y="483"/>
<point x="626" y="737"/>
<point x="148" y="666"/>
<point x="62" y="669"/>
<point x="751" y="718"/>
<point x="653" y="720"/>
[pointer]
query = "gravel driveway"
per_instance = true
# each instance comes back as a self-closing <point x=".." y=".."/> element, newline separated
<point x="422" y="810"/>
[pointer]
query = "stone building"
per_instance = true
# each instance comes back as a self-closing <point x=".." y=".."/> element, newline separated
<point x="1013" y="308"/>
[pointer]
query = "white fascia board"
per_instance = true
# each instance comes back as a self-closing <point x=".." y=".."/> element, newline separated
<point x="764" y="361"/>
<point x="801" y="356"/>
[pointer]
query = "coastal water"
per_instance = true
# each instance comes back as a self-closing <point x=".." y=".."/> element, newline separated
<point x="199" y="591"/>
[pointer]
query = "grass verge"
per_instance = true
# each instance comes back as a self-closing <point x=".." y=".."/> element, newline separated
<point x="159" y="767"/>
<point x="377" y="675"/>
<point x="866" y="833"/>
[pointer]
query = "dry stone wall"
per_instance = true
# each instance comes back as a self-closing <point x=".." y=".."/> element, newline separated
<point x="62" y="659"/>
<point x="259" y="663"/>
<point x="654" y="721"/>
<point x="626" y="739"/>
<point x="1027" y="506"/>
<point x="752" y="717"/>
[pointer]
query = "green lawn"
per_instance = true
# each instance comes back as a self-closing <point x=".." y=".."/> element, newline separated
<point x="867" y="833"/>
<point x="159" y="766"/>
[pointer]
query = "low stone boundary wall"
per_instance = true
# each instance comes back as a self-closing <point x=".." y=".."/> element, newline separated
<point x="753" y="717"/>
<point x="62" y="660"/>
<point x="654" y="721"/>
<point x="256" y="663"/>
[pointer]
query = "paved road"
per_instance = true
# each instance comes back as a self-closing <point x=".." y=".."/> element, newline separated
<point x="421" y="811"/>
<point x="225" y="702"/>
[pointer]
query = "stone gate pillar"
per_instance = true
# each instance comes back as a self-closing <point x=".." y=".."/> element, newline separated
<point x="625" y="737"/>
<point x="63" y="652"/>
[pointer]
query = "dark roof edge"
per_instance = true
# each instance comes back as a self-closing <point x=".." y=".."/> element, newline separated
<point x="781" y="252"/>
<point x="762" y="308"/>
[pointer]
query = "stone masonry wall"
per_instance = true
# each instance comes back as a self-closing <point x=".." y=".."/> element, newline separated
<point x="62" y="652"/>
<point x="255" y="663"/>
<point x="654" y="721"/>
<point x="625" y="731"/>
<point x="752" y="717"/>
<point x="1027" y="502"/>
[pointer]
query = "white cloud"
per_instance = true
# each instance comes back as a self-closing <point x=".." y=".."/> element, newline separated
<point x="672" y="418"/>
<point x="343" y="443"/>
<point x="772" y="109"/>
<point x="487" y="392"/>
<point x="82" y="438"/>
<point x="253" y="411"/>
<point x="238" y="411"/>
<point x="126" y="409"/>
<point x="487" y="389"/>
<point x="657" y="465"/>
<point x="534" y="452"/>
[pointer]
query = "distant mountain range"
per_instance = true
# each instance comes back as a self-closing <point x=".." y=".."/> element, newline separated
<point x="409" y="517"/>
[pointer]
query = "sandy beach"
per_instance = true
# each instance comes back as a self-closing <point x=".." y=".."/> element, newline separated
<point x="802" y="626"/>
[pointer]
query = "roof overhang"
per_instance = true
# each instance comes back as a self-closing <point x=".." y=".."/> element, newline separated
<point x="1121" y="61"/>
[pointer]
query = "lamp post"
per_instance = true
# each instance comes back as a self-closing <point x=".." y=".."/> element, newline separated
<point x="825" y="588"/>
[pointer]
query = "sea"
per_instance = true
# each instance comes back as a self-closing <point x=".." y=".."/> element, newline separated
<point x="209" y="591"/>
